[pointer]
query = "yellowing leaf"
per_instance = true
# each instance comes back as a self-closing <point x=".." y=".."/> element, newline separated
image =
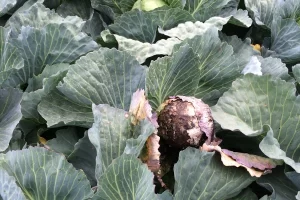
<point x="42" y="140"/>
<point x="256" y="47"/>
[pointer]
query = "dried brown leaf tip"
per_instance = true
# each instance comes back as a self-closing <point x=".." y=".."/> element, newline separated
<point x="140" y="108"/>
<point x="255" y="165"/>
<point x="183" y="121"/>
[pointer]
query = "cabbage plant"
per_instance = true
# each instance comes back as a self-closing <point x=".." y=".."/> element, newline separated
<point x="149" y="99"/>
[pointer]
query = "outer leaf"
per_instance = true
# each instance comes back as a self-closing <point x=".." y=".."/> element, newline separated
<point x="294" y="177"/>
<point x="9" y="190"/>
<point x="113" y="6"/>
<point x="240" y="18"/>
<point x="49" y="45"/>
<point x="141" y="133"/>
<point x="24" y="5"/>
<point x="253" y="67"/>
<point x="31" y="100"/>
<point x="111" y="134"/>
<point x="254" y="101"/>
<point x="201" y="175"/>
<point x="5" y="6"/>
<point x="263" y="66"/>
<point x="218" y="65"/>
<point x="17" y="141"/>
<point x="263" y="11"/>
<point x="166" y="17"/>
<point x="46" y="175"/>
<point x="266" y="11"/>
<point x="94" y="22"/>
<point x="296" y="72"/>
<point x="291" y="9"/>
<point x="271" y="148"/>
<point x="202" y="10"/>
<point x="37" y="82"/>
<point x="241" y="48"/>
<point x="142" y="51"/>
<point x="10" y="57"/>
<point x="126" y="178"/>
<point x="246" y="194"/>
<point x="95" y="25"/>
<point x="144" y="30"/>
<point x="176" y="3"/>
<point x="84" y="157"/>
<point x="285" y="35"/>
<point x="78" y="8"/>
<point x="10" y="114"/>
<point x="275" y="67"/>
<point x="59" y="110"/>
<point x="277" y="183"/>
<point x="166" y="195"/>
<point x="8" y="7"/>
<point x="174" y="75"/>
<point x="106" y="76"/>
<point x="36" y="15"/>
<point x="191" y="29"/>
<point x="108" y="134"/>
<point x="64" y="141"/>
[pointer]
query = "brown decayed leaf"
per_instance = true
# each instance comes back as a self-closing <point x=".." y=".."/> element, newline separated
<point x="153" y="154"/>
<point x="255" y="165"/>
